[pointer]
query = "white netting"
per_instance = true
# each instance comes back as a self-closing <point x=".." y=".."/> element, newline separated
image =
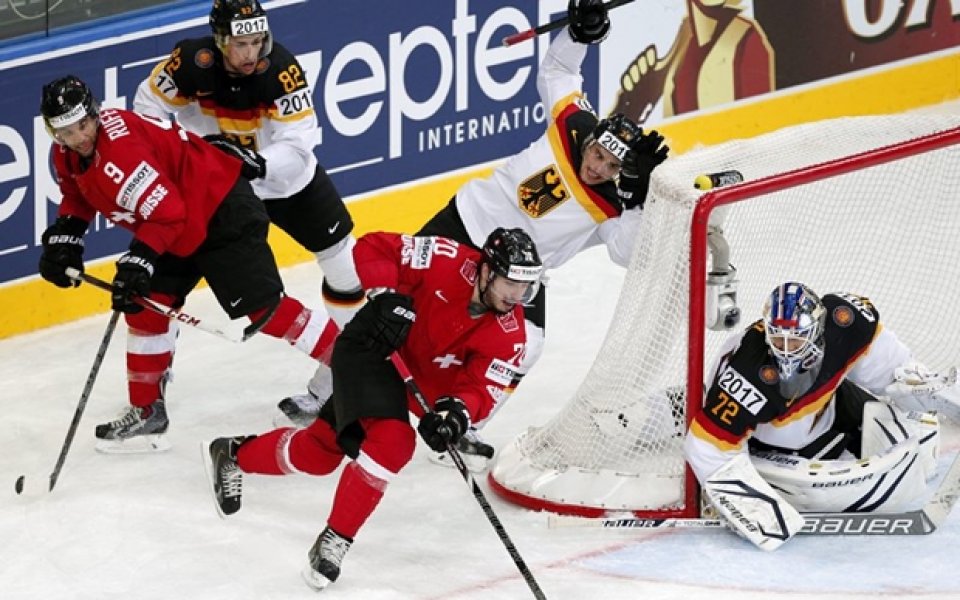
<point x="889" y="232"/>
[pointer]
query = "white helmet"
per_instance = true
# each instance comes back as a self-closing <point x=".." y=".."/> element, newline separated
<point x="793" y="320"/>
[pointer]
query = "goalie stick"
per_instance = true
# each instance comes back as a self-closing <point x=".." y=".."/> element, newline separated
<point x="922" y="521"/>
<point x="172" y="313"/>
<point x="454" y="454"/>
<point x="521" y="36"/>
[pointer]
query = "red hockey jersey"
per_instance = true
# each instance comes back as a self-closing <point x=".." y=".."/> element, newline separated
<point x="149" y="176"/>
<point x="449" y="352"/>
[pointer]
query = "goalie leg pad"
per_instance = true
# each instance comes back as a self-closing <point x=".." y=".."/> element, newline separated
<point x="753" y="508"/>
<point x="885" y="426"/>
<point x="900" y="455"/>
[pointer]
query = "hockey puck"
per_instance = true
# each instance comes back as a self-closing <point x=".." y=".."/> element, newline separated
<point x="18" y="486"/>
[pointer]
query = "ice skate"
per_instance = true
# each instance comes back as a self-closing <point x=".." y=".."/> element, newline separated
<point x="325" y="557"/>
<point x="137" y="430"/>
<point x="223" y="473"/>
<point x="302" y="409"/>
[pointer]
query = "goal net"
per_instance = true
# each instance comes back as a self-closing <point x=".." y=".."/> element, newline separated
<point x="869" y="205"/>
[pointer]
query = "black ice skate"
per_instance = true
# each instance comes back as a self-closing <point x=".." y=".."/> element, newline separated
<point x="225" y="476"/>
<point x="325" y="557"/>
<point x="138" y="429"/>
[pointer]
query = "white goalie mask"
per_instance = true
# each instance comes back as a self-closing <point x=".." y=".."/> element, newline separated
<point x="793" y="321"/>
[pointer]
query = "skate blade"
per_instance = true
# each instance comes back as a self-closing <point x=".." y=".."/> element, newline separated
<point x="474" y="463"/>
<point x="141" y="444"/>
<point x="285" y="420"/>
<point x="315" y="580"/>
<point x="208" y="468"/>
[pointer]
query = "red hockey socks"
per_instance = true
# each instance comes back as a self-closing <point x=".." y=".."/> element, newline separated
<point x="387" y="447"/>
<point x="311" y="331"/>
<point x="358" y="494"/>
<point x="282" y="451"/>
<point x="151" y="341"/>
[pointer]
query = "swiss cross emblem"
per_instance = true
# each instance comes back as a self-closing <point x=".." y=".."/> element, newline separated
<point x="446" y="361"/>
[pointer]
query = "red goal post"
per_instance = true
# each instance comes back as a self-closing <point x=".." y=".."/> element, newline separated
<point x="868" y="205"/>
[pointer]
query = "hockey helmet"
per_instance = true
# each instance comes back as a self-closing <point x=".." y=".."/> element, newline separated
<point x="511" y="253"/>
<point x="239" y="17"/>
<point x="617" y="134"/>
<point x="65" y="101"/>
<point x="793" y="321"/>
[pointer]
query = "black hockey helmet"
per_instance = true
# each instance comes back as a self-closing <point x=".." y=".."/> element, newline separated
<point x="239" y="17"/>
<point x="65" y="101"/>
<point x="511" y="253"/>
<point x="616" y="133"/>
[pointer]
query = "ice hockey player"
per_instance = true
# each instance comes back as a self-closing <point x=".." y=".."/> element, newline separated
<point x="430" y="297"/>
<point x="814" y="408"/>
<point x="192" y="215"/>
<point x="249" y="96"/>
<point x="582" y="183"/>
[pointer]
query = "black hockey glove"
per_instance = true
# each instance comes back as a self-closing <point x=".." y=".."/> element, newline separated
<point x="254" y="165"/>
<point x="62" y="249"/>
<point x="646" y="152"/>
<point x="384" y="322"/>
<point x="134" y="270"/>
<point x="589" y="23"/>
<point x="447" y="423"/>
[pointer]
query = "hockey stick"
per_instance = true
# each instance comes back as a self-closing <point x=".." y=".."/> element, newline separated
<point x="81" y="406"/>
<point x="407" y="377"/>
<point x="521" y="36"/>
<point x="922" y="521"/>
<point x="172" y="313"/>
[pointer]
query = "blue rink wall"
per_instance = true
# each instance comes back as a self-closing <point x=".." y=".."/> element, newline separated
<point x="411" y="102"/>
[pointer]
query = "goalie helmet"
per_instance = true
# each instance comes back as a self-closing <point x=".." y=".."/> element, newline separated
<point x="65" y="101"/>
<point x="793" y="321"/>
<point x="511" y="253"/>
<point x="239" y="17"/>
<point x="616" y="133"/>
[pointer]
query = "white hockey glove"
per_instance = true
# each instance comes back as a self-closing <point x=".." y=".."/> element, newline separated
<point x="754" y="509"/>
<point x="917" y="388"/>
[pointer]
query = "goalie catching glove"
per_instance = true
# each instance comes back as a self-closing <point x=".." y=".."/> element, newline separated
<point x="62" y="249"/>
<point x="446" y="425"/>
<point x="254" y="165"/>
<point x="917" y="388"/>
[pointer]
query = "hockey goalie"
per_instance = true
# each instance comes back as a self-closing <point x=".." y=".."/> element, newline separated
<point x="816" y="407"/>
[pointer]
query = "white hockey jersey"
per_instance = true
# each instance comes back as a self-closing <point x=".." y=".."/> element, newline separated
<point x="539" y="189"/>
<point x="270" y="111"/>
